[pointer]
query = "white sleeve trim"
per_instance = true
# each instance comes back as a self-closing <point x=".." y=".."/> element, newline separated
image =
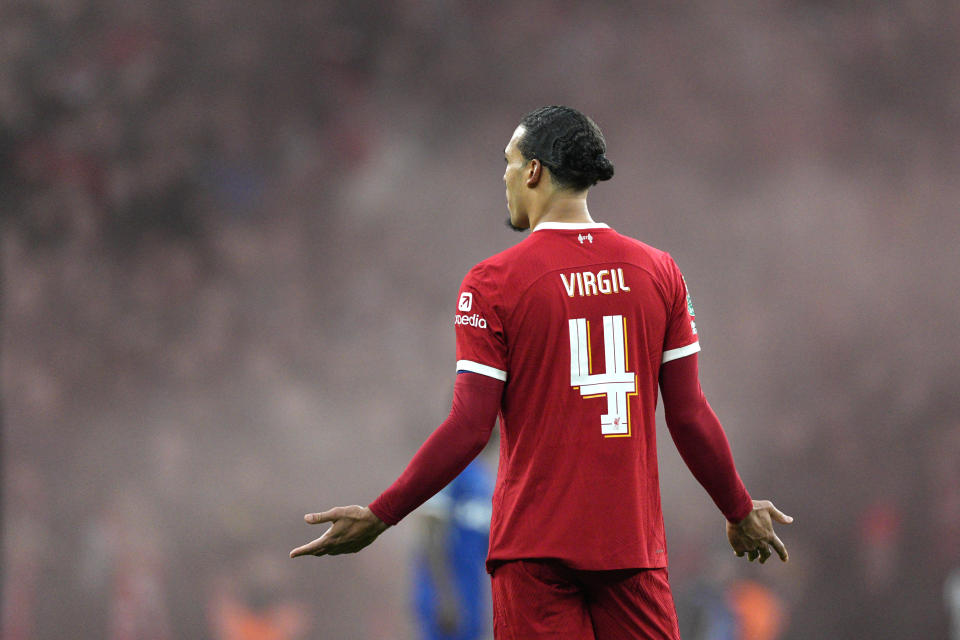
<point x="482" y="369"/>
<point x="673" y="354"/>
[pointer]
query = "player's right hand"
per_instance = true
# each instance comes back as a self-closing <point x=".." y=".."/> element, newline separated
<point x="754" y="535"/>
<point x="354" y="527"/>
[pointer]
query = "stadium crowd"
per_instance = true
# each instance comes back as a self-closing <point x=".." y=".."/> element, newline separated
<point x="231" y="234"/>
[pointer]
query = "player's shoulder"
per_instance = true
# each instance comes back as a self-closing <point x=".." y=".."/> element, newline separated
<point x="541" y="251"/>
<point x="648" y="256"/>
<point x="495" y="267"/>
<point x="637" y="245"/>
<point x="511" y="254"/>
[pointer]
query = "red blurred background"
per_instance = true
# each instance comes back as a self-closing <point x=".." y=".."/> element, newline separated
<point x="232" y="236"/>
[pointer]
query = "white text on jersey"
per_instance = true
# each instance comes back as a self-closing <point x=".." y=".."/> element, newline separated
<point x="475" y="320"/>
<point x="588" y="283"/>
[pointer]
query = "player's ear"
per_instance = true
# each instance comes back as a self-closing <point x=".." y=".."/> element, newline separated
<point x="534" y="172"/>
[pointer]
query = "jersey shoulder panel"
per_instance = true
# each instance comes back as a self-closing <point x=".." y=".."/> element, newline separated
<point x="504" y="259"/>
<point x="658" y="259"/>
<point x="488" y="276"/>
<point x="544" y="252"/>
<point x="658" y="263"/>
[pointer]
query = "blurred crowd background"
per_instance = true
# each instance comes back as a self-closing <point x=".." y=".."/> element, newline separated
<point x="232" y="236"/>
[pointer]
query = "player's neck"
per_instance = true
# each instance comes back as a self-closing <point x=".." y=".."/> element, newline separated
<point x="562" y="208"/>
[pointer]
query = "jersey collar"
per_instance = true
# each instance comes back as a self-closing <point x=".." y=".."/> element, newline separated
<point x="570" y="226"/>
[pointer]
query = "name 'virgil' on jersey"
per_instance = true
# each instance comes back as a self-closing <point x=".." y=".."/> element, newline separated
<point x="588" y="283"/>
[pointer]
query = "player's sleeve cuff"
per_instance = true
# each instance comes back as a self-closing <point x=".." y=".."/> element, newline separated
<point x="482" y="369"/>
<point x="673" y="354"/>
<point x="380" y="510"/>
<point x="743" y="510"/>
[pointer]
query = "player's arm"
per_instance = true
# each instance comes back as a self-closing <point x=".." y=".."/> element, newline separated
<point x="703" y="445"/>
<point x="447" y="452"/>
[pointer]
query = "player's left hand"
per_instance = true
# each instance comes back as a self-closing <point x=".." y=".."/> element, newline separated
<point x="354" y="527"/>
<point x="754" y="535"/>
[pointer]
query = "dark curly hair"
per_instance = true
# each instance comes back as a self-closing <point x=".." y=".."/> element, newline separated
<point x="569" y="144"/>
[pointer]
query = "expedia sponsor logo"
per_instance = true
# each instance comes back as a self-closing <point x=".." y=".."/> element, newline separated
<point x="466" y="301"/>
<point x="476" y="320"/>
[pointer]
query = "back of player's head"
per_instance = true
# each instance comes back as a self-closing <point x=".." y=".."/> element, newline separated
<point x="569" y="144"/>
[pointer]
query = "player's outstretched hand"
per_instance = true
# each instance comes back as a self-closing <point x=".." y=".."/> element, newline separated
<point x="354" y="527"/>
<point x="754" y="534"/>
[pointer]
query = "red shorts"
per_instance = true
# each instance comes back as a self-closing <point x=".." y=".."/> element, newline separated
<point x="535" y="599"/>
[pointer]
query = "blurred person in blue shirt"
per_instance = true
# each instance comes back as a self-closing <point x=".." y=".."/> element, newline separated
<point x="451" y="587"/>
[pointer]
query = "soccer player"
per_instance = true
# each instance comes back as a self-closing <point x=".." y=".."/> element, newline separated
<point x="566" y="335"/>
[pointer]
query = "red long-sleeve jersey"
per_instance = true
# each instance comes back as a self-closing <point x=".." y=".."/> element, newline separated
<point x="573" y="328"/>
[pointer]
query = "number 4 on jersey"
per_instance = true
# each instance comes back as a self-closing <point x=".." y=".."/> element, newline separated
<point x="616" y="382"/>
